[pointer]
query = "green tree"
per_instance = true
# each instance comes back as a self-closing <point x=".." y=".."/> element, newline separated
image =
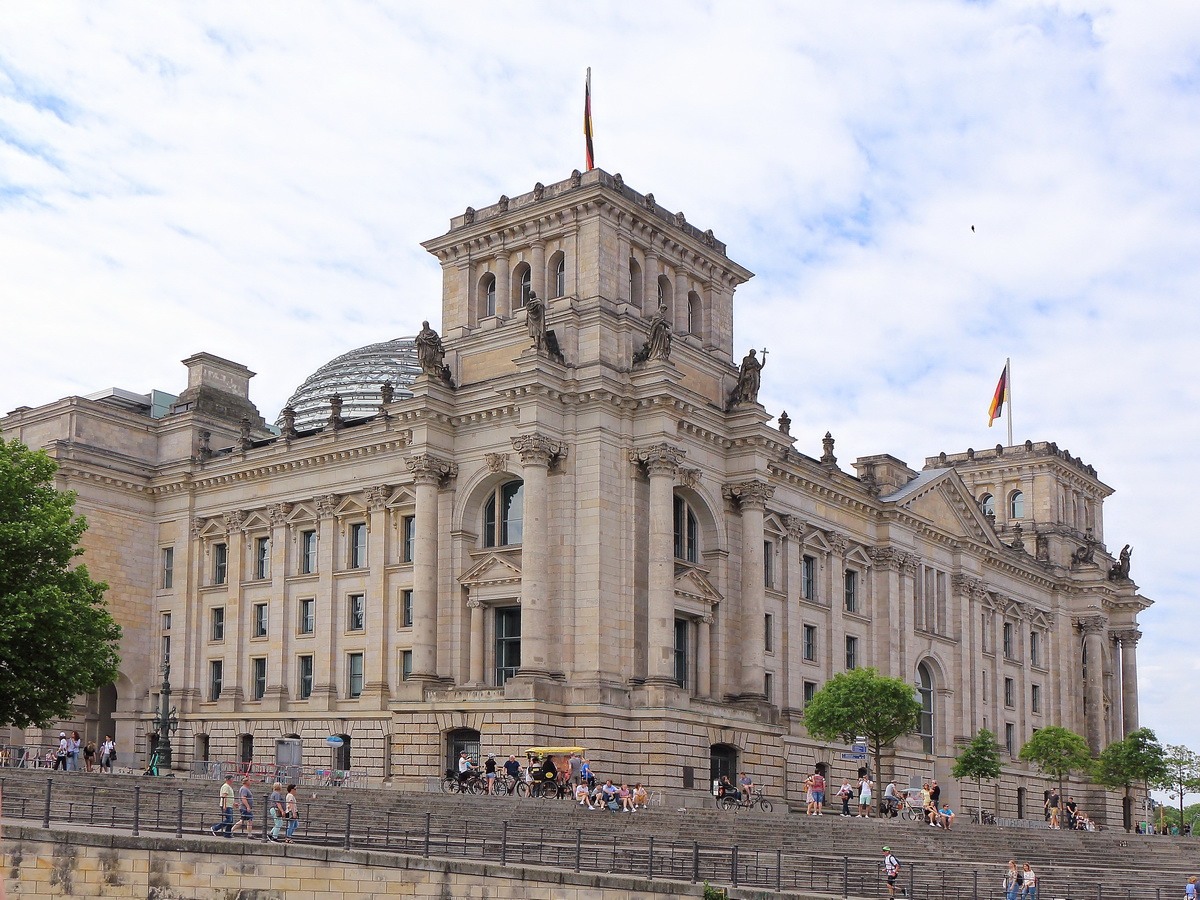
<point x="1057" y="752"/>
<point x="863" y="703"/>
<point x="1182" y="775"/>
<point x="57" y="640"/>
<point x="1137" y="759"/>
<point x="979" y="759"/>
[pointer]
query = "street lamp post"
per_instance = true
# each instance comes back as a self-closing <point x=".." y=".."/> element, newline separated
<point x="165" y="723"/>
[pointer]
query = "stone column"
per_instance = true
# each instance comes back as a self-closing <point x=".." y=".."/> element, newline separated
<point x="1093" y="688"/>
<point x="1129" y="696"/>
<point x="477" y="653"/>
<point x="378" y="620"/>
<point x="661" y="462"/>
<point x="503" y="289"/>
<point x="428" y="474"/>
<point x="752" y="497"/>
<point x="650" y="282"/>
<point x="537" y="631"/>
<point x="537" y="265"/>
<point x="704" y="656"/>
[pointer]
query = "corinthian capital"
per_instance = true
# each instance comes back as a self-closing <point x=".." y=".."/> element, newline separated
<point x="233" y="520"/>
<point x="429" y="469"/>
<point x="537" y="449"/>
<point x="749" y="494"/>
<point x="888" y="557"/>
<point x="278" y="513"/>
<point x="377" y="495"/>
<point x="1127" y="636"/>
<point x="1090" y="624"/>
<point x="659" y="459"/>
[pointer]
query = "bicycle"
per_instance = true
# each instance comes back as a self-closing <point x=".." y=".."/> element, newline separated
<point x="729" y="803"/>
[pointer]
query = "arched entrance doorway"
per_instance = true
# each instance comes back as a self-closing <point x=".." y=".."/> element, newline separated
<point x="457" y="741"/>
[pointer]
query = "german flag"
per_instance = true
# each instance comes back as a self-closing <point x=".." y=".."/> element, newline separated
<point x="999" y="398"/>
<point x="587" y="120"/>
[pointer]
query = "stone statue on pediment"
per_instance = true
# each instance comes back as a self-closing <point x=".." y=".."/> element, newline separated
<point x="749" y="379"/>
<point x="658" y="341"/>
<point x="431" y="355"/>
<point x="1120" y="569"/>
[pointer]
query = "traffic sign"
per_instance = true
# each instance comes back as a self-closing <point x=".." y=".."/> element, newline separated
<point x="334" y="741"/>
<point x="854" y="756"/>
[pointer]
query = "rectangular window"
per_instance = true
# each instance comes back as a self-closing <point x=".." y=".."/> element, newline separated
<point x="308" y="552"/>
<point x="166" y="649"/>
<point x="1009" y="691"/>
<point x="168" y="568"/>
<point x="406" y="609"/>
<point x="405" y="664"/>
<point x="408" y="534"/>
<point x="357" y="608"/>
<point x="810" y="691"/>
<point x="851" y="590"/>
<point x="769" y="633"/>
<point x="220" y="563"/>
<point x="354" y="680"/>
<point x="1010" y="739"/>
<point x="508" y="642"/>
<point x="304" y="685"/>
<point x="1035" y="648"/>
<point x="262" y="558"/>
<point x="851" y="652"/>
<point x="809" y="577"/>
<point x="358" y="545"/>
<point x="259" y="676"/>
<point x="308" y="615"/>
<point x="1035" y="698"/>
<point x="215" y="673"/>
<point x="218" y="623"/>
<point x="769" y="687"/>
<point x="810" y="642"/>
<point x="984" y="642"/>
<point x="983" y="680"/>
<point x="681" y="652"/>
<point x="768" y="564"/>
<point x="1008" y="639"/>
<point x="260" y="620"/>
<point x="166" y="621"/>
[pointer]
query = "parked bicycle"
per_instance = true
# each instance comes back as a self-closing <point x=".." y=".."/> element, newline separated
<point x="470" y="783"/>
<point x="754" y="799"/>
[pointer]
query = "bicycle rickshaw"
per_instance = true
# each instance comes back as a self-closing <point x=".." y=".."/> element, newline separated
<point x="535" y="784"/>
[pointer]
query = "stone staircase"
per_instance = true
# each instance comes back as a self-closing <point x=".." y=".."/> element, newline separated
<point x="823" y="854"/>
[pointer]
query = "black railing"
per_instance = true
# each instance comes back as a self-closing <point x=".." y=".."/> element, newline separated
<point x="419" y="833"/>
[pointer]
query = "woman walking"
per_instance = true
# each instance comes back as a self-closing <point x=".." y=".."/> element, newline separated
<point x="1012" y="880"/>
<point x="292" y="806"/>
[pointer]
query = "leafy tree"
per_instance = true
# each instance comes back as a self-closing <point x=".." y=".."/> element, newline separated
<point x="863" y="703"/>
<point x="1137" y="759"/>
<point x="57" y="640"/>
<point x="1183" y="773"/>
<point x="1057" y="752"/>
<point x="979" y="759"/>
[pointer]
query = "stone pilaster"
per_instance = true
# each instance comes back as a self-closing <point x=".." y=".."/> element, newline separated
<point x="661" y="462"/>
<point x="329" y="608"/>
<point x="752" y="497"/>
<point x="379" y="622"/>
<point x="476" y="662"/>
<point x="281" y="626"/>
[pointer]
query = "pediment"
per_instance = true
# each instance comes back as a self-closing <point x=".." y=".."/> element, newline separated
<point x="402" y="496"/>
<point x="350" y="506"/>
<point x="941" y="498"/>
<point x="857" y="556"/>
<point x="213" y="528"/>
<point x="302" y="512"/>
<point x="255" y="520"/>
<point x="492" y="569"/>
<point x="691" y="582"/>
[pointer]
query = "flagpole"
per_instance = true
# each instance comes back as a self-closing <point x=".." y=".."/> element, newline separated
<point x="1008" y="382"/>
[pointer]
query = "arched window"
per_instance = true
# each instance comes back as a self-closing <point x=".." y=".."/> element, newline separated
<point x="502" y="514"/>
<point x="1016" y="505"/>
<point x="522" y="280"/>
<point x="457" y="741"/>
<point x="246" y="748"/>
<point x="988" y="504"/>
<point x="722" y="760"/>
<point x="694" y="314"/>
<point x="487" y="295"/>
<point x="558" y="267"/>
<point x="341" y="755"/>
<point x="635" y="283"/>
<point x="686" y="531"/>
<point x="201" y="749"/>
<point x="925" y="724"/>
<point x="664" y="290"/>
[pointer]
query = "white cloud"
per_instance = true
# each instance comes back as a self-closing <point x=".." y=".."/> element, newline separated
<point x="254" y="180"/>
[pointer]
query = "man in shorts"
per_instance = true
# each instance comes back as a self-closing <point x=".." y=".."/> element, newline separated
<point x="818" y="792"/>
<point x="246" y="807"/>
<point x="891" y="866"/>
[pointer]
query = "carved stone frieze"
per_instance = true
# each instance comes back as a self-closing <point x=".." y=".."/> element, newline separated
<point x="496" y="462"/>
<point x="537" y="449"/>
<point x="689" y="478"/>
<point x="749" y="494"/>
<point x="658" y="459"/>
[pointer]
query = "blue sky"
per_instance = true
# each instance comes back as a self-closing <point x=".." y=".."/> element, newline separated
<point x="254" y="180"/>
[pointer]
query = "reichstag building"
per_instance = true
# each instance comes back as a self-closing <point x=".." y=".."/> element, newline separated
<point x="567" y="519"/>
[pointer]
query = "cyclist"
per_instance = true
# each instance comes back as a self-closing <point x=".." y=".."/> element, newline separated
<point x="746" y="789"/>
<point x="465" y="767"/>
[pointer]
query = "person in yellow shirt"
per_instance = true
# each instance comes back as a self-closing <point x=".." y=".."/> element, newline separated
<point x="228" y="798"/>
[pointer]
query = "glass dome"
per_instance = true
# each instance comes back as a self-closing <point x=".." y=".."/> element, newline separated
<point x="356" y="377"/>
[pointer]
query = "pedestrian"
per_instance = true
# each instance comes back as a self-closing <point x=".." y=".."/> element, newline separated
<point x="818" y="789"/>
<point x="1012" y="880"/>
<point x="864" y="797"/>
<point x="276" y="811"/>
<point x="513" y="769"/>
<point x="60" y="755"/>
<point x="246" y="807"/>
<point x="1072" y="809"/>
<point x="1052" y="808"/>
<point x="891" y="867"/>
<point x="74" y="748"/>
<point x="891" y="800"/>
<point x="845" y="792"/>
<point x="291" y="807"/>
<point x="1028" y="883"/>
<point x="108" y="754"/>
<point x="585" y="773"/>
<point x="809" y="801"/>
<point x="227" y="799"/>
<point x="1189" y="889"/>
<point x="935" y="794"/>
<point x="576" y="763"/>
<point x="89" y="754"/>
<point x="489" y="773"/>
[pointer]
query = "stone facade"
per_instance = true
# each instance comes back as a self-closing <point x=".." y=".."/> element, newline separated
<point x="581" y="529"/>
